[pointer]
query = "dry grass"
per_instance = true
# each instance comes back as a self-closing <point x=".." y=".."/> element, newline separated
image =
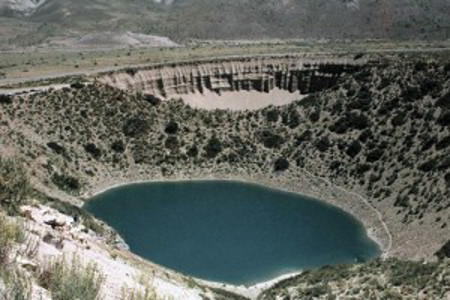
<point x="14" y="185"/>
<point x="67" y="280"/>
<point x="14" y="283"/>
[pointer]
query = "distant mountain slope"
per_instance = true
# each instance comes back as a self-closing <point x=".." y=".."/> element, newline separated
<point x="224" y="19"/>
<point x="24" y="7"/>
<point x="305" y="18"/>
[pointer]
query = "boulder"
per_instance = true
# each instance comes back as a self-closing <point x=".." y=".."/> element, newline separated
<point x="54" y="222"/>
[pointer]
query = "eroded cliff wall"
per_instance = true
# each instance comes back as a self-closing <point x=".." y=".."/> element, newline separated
<point x="263" y="74"/>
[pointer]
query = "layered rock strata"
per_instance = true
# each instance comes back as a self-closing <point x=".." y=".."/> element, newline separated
<point x="262" y="74"/>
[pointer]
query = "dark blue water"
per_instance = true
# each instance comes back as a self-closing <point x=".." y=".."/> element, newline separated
<point x="231" y="232"/>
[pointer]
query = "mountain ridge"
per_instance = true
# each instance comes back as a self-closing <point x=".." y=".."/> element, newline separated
<point x="243" y="19"/>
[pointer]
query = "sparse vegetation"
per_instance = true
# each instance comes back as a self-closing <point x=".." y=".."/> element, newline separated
<point x="391" y="279"/>
<point x="14" y="284"/>
<point x="370" y="133"/>
<point x="68" y="280"/>
<point x="353" y="140"/>
<point x="146" y="294"/>
<point x="66" y="183"/>
<point x="11" y="233"/>
<point x="14" y="185"/>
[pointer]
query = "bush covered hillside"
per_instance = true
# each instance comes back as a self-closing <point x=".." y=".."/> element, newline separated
<point x="391" y="279"/>
<point x="383" y="132"/>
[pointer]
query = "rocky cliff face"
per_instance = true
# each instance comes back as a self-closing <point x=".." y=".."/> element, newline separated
<point x="263" y="74"/>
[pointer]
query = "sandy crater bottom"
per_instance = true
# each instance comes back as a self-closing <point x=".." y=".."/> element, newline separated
<point x="240" y="100"/>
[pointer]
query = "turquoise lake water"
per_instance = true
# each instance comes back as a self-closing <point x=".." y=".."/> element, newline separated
<point x="231" y="232"/>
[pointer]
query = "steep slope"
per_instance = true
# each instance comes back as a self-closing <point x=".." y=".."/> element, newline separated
<point x="317" y="19"/>
<point x="291" y="73"/>
<point x="391" y="279"/>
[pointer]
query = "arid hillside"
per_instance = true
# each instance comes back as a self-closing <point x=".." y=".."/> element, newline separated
<point x="36" y="21"/>
<point x="374" y="141"/>
<point x="382" y="132"/>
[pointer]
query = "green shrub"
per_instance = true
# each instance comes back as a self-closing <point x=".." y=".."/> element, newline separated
<point x="93" y="150"/>
<point x="398" y="119"/>
<point x="5" y="99"/>
<point x="77" y="85"/>
<point x="444" y="251"/>
<point x="350" y="121"/>
<point x="14" y="185"/>
<point x="71" y="280"/>
<point x="304" y="137"/>
<point x="314" y="116"/>
<point x="374" y="155"/>
<point x="444" y="119"/>
<point x="213" y="147"/>
<point x="443" y="143"/>
<point x="428" y="166"/>
<point x="152" y="99"/>
<point x="281" y="164"/>
<point x="11" y="233"/>
<point x="447" y="179"/>
<point x="353" y="149"/>
<point x="444" y="102"/>
<point x="291" y="119"/>
<point x="118" y="146"/>
<point x="272" y="115"/>
<point x="66" y="182"/>
<point x="323" y="144"/>
<point x="171" y="127"/>
<point x="135" y="127"/>
<point x="192" y="151"/>
<point x="270" y="139"/>
<point x="57" y="148"/>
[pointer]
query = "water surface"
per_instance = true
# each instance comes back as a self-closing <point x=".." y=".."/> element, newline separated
<point x="231" y="232"/>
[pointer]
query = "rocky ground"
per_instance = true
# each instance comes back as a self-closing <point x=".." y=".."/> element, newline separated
<point x="51" y="235"/>
<point x="62" y="235"/>
<point x="376" y="144"/>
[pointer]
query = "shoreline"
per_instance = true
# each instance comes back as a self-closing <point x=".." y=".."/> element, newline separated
<point x="251" y="291"/>
<point x="300" y="182"/>
<point x="370" y="231"/>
